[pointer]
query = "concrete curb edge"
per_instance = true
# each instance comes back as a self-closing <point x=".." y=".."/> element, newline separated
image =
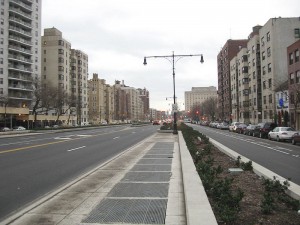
<point x="198" y="208"/>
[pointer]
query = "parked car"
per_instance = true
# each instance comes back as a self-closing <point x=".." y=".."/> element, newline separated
<point x="296" y="138"/>
<point x="223" y="126"/>
<point x="249" y="129"/>
<point x="233" y="126"/>
<point x="19" y="128"/>
<point x="262" y="129"/>
<point x="241" y="128"/>
<point x="281" y="133"/>
<point x="3" y="129"/>
<point x="155" y="122"/>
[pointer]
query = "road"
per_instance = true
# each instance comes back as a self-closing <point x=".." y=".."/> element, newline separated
<point x="282" y="158"/>
<point x="33" y="166"/>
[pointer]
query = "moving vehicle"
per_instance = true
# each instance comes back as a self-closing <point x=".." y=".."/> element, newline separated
<point x="281" y="133"/>
<point x="262" y="129"/>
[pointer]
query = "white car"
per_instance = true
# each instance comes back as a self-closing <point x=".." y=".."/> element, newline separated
<point x="19" y="128"/>
<point x="233" y="126"/>
<point x="281" y="133"/>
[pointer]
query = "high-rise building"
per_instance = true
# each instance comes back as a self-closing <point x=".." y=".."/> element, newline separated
<point x="66" y="70"/>
<point x="19" y="53"/>
<point x="229" y="50"/>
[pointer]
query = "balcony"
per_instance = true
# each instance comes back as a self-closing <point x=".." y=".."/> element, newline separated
<point x="20" y="13"/>
<point x="20" y="87"/>
<point x="19" y="49"/>
<point x="20" y="22"/>
<point x="20" y="40"/>
<point x="20" y="31"/>
<point x="20" y="68"/>
<point x="21" y="4"/>
<point x="19" y="77"/>
<point x="19" y="59"/>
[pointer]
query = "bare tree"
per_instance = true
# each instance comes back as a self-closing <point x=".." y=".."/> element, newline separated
<point x="209" y="107"/>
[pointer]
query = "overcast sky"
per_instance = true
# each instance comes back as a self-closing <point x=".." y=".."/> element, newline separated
<point x="117" y="34"/>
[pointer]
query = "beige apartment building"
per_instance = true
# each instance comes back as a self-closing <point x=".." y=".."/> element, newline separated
<point x="198" y="95"/>
<point x="261" y="69"/>
<point x="101" y="101"/>
<point x="19" y="59"/>
<point x="240" y="87"/>
<point x="66" y="71"/>
<point x="275" y="36"/>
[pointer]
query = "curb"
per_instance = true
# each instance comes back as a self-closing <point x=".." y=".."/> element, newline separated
<point x="197" y="206"/>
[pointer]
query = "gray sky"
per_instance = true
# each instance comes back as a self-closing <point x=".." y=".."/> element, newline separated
<point x="117" y="34"/>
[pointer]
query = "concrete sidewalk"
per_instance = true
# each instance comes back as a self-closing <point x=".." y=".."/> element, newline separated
<point x="143" y="185"/>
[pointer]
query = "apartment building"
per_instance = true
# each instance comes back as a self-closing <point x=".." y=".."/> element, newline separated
<point x="294" y="80"/>
<point x="78" y="84"/>
<point x="240" y="87"/>
<point x="99" y="100"/>
<point x="19" y="55"/>
<point x="275" y="36"/>
<point x="198" y="95"/>
<point x="229" y="50"/>
<point x="65" y="70"/>
<point x="254" y="76"/>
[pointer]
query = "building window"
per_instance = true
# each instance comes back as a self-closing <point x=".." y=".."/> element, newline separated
<point x="264" y="70"/>
<point x="1" y="60"/>
<point x="292" y="77"/>
<point x="297" y="33"/>
<point x="270" y="98"/>
<point x="269" y="52"/>
<point x="268" y="37"/>
<point x="1" y="80"/>
<point x="45" y="51"/>
<point x="269" y="68"/>
<point x="60" y="68"/>
<point x="61" y="42"/>
<point x="264" y="85"/>
<point x="262" y="41"/>
<point x="265" y="100"/>
<point x="297" y="55"/>
<point x="60" y="51"/>
<point x="254" y="75"/>
<point x="263" y="55"/>
<point x="291" y="58"/>
<point x="254" y="88"/>
<point x="298" y="76"/>
<point x="270" y="82"/>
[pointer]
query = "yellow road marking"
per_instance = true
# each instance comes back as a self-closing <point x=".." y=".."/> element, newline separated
<point x="32" y="146"/>
<point x="51" y="143"/>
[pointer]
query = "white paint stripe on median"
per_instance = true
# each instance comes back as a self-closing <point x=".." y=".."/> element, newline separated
<point x="116" y="138"/>
<point x="74" y="149"/>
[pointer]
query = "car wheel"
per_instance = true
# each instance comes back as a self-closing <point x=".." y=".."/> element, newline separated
<point x="293" y="141"/>
<point x="277" y="139"/>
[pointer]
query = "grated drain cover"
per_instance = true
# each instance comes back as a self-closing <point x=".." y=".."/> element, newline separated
<point x="129" y="211"/>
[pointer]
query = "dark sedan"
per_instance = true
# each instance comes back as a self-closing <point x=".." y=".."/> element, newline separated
<point x="241" y="128"/>
<point x="249" y="129"/>
<point x="296" y="138"/>
<point x="262" y="129"/>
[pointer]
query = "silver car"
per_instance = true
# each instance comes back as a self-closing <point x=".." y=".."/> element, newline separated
<point x="281" y="133"/>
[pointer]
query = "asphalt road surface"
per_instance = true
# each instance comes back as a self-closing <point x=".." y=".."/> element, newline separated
<point x="282" y="158"/>
<point x="33" y="166"/>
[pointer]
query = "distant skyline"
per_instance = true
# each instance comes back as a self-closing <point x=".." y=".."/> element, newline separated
<point x="117" y="35"/>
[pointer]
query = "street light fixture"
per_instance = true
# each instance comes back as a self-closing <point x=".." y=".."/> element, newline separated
<point x="171" y="59"/>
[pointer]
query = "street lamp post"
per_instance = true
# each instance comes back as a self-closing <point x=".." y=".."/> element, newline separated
<point x="171" y="59"/>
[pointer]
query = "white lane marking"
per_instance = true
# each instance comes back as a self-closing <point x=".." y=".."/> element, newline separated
<point x="83" y="135"/>
<point x="133" y="132"/>
<point x="74" y="149"/>
<point x="262" y="144"/>
<point x="116" y="138"/>
<point x="63" y="138"/>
